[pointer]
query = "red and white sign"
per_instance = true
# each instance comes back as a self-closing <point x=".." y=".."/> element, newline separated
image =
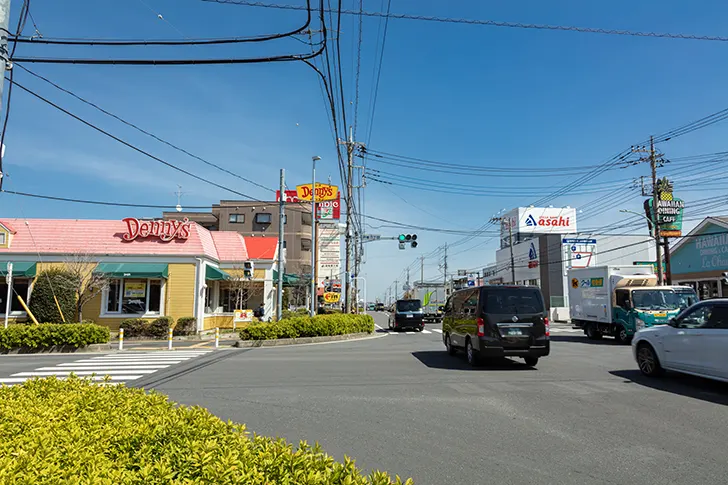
<point x="329" y="210"/>
<point x="164" y="230"/>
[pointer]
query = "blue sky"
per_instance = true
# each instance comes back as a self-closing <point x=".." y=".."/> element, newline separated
<point x="464" y="94"/>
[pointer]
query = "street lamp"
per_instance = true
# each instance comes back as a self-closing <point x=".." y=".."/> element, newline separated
<point x="314" y="297"/>
<point x="656" y="235"/>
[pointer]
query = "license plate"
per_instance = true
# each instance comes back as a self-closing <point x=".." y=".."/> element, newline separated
<point x="410" y="316"/>
<point x="663" y="315"/>
<point x="511" y="332"/>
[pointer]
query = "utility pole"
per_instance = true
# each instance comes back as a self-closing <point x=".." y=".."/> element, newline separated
<point x="4" y="58"/>
<point x="422" y="270"/>
<point x="653" y="160"/>
<point x="281" y="224"/>
<point x="444" y="270"/>
<point x="349" y="199"/>
<point x="314" y="246"/>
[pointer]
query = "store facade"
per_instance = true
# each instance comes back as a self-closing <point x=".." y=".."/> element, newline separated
<point x="700" y="259"/>
<point x="150" y="268"/>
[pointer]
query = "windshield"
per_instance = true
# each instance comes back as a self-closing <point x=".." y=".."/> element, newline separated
<point x="409" y="306"/>
<point x="685" y="298"/>
<point x="517" y="301"/>
<point x="655" y="300"/>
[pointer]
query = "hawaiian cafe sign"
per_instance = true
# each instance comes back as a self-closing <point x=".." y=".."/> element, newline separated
<point x="713" y="250"/>
<point x="163" y="230"/>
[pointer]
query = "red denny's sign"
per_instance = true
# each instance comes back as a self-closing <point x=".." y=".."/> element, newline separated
<point x="164" y="230"/>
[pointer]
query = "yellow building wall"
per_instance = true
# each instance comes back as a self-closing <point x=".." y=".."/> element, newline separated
<point x="218" y="321"/>
<point x="180" y="297"/>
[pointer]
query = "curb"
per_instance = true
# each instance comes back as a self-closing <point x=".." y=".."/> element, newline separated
<point x="60" y="349"/>
<point x="302" y="340"/>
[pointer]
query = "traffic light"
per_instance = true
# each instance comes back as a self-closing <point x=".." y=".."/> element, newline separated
<point x="248" y="269"/>
<point x="410" y="239"/>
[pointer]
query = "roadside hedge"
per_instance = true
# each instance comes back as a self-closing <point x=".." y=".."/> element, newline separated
<point x="305" y="326"/>
<point x="46" y="335"/>
<point x="185" y="326"/>
<point x="73" y="431"/>
<point x="138" y="327"/>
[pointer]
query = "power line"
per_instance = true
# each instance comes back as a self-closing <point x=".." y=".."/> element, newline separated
<point x="379" y="74"/>
<point x="492" y="23"/>
<point x="141" y="130"/>
<point x="125" y="143"/>
<point x="358" y="67"/>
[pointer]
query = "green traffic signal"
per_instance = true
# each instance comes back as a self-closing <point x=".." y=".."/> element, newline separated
<point x="402" y="238"/>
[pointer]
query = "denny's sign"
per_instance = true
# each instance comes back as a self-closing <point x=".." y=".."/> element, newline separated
<point x="323" y="192"/>
<point x="164" y="230"/>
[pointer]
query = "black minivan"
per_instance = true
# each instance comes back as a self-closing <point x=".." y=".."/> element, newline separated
<point x="497" y="321"/>
<point x="407" y="314"/>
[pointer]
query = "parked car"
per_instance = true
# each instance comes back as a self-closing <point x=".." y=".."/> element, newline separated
<point x="695" y="342"/>
<point x="407" y="314"/>
<point x="497" y="321"/>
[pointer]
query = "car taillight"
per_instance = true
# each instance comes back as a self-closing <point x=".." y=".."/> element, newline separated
<point x="481" y="327"/>
<point x="548" y="327"/>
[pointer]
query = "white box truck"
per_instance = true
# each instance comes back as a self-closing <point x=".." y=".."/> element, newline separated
<point x="432" y="296"/>
<point x="619" y="300"/>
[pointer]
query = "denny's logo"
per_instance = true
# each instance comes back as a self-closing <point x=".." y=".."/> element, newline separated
<point x="164" y="230"/>
<point x="324" y="192"/>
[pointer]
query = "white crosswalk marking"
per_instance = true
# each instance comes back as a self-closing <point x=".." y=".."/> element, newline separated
<point x="438" y="330"/>
<point x="426" y="331"/>
<point x="120" y="367"/>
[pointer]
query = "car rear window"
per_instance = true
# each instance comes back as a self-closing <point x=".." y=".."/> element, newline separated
<point x="409" y="305"/>
<point x="516" y="300"/>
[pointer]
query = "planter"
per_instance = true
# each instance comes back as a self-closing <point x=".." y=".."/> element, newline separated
<point x="300" y="340"/>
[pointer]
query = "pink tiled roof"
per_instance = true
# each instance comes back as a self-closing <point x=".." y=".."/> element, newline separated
<point x="68" y="236"/>
<point x="8" y="227"/>
<point x="230" y="246"/>
<point x="261" y="247"/>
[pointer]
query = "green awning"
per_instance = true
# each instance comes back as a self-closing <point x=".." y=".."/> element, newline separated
<point x="288" y="279"/>
<point x="215" y="274"/>
<point x="133" y="270"/>
<point x="20" y="269"/>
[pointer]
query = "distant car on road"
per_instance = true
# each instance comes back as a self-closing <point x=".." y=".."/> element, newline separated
<point x="695" y="342"/>
<point x="497" y="321"/>
<point x="379" y="307"/>
<point x="371" y="307"/>
<point x="407" y="314"/>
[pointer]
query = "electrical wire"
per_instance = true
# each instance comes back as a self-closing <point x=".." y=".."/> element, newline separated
<point x="379" y="75"/>
<point x="141" y="130"/>
<point x="492" y="23"/>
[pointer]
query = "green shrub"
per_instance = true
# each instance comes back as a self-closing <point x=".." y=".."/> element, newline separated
<point x="294" y="313"/>
<point x="73" y="431"/>
<point x="159" y="327"/>
<point x="186" y="326"/>
<point x="58" y="282"/>
<point x="134" y="327"/>
<point x="304" y="326"/>
<point x="37" y="337"/>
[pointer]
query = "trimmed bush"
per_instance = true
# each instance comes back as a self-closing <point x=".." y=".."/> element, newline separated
<point x="73" y="431"/>
<point x="300" y="312"/>
<point x="42" y="304"/>
<point x="185" y="326"/>
<point x="304" y="326"/>
<point x="133" y="327"/>
<point x="159" y="327"/>
<point x="38" y="337"/>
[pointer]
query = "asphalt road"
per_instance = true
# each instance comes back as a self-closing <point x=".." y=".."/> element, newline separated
<point x="399" y="403"/>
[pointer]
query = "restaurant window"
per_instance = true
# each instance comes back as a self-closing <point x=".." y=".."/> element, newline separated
<point x="232" y="299"/>
<point x="134" y="296"/>
<point x="306" y="218"/>
<point x="263" y="218"/>
<point x="305" y="244"/>
<point x="208" y="300"/>
<point x="236" y="218"/>
<point x="2" y="239"/>
<point x="20" y="287"/>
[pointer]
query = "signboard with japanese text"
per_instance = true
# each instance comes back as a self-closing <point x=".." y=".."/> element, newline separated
<point x="242" y="316"/>
<point x="134" y="289"/>
<point x="325" y="211"/>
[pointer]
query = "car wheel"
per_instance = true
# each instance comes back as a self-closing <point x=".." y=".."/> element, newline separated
<point x="531" y="361"/>
<point x="647" y="360"/>
<point x="448" y="345"/>
<point x="621" y="336"/>
<point x="592" y="333"/>
<point x="471" y="354"/>
<point x="419" y="329"/>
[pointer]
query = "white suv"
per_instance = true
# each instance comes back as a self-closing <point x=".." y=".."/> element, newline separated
<point x="695" y="342"/>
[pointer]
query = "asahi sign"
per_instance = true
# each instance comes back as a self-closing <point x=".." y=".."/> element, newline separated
<point x="163" y="230"/>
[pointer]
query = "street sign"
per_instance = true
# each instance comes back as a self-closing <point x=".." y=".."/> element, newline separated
<point x="371" y="237"/>
<point x="578" y="241"/>
<point x="462" y="272"/>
